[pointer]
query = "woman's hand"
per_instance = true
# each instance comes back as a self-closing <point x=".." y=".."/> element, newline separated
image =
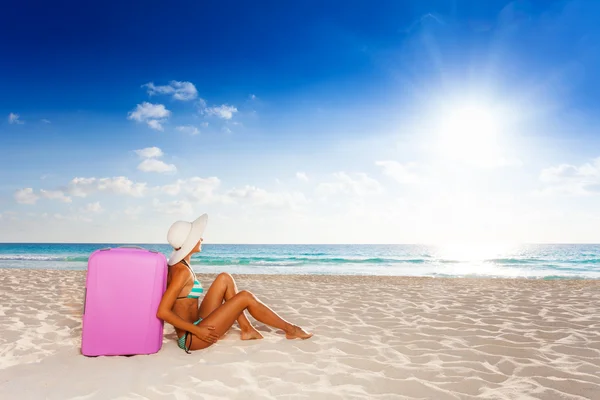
<point x="206" y="333"/>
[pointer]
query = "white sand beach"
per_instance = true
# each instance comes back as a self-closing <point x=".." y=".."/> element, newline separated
<point x="375" y="338"/>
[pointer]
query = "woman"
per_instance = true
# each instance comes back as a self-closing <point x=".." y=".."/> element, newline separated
<point x="199" y="327"/>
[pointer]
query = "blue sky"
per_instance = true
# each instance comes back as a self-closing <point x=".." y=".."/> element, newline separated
<point x="343" y="122"/>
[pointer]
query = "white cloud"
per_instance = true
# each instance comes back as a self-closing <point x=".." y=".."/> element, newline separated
<point x="83" y="187"/>
<point x="204" y="124"/>
<point x="55" y="195"/>
<point x="399" y="172"/>
<point x="180" y="90"/>
<point x="252" y="97"/>
<point x="572" y="179"/>
<point x="202" y="189"/>
<point x="201" y="104"/>
<point x="26" y="196"/>
<point x="155" y="124"/>
<point x="226" y="130"/>
<point x="172" y="189"/>
<point x="192" y="130"/>
<point x="152" y="114"/>
<point x="154" y="165"/>
<point x="181" y="207"/>
<point x="14" y="119"/>
<point x="262" y="198"/>
<point x="195" y="189"/>
<point x="192" y="185"/>
<point x="302" y="176"/>
<point x="224" y="111"/>
<point x="92" y="208"/>
<point x="151" y="164"/>
<point x="149" y="152"/>
<point x="147" y="110"/>
<point x="361" y="184"/>
<point x="46" y="121"/>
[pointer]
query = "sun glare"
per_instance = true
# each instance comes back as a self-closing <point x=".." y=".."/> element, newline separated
<point x="470" y="134"/>
<point x="474" y="251"/>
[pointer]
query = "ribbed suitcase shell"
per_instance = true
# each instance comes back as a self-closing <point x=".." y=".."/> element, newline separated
<point x="124" y="287"/>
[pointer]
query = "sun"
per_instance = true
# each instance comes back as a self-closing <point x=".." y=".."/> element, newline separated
<point x="469" y="133"/>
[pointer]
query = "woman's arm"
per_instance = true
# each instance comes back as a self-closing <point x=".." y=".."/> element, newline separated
<point x="165" y="308"/>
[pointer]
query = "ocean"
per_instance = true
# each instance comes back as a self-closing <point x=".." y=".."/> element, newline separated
<point x="541" y="261"/>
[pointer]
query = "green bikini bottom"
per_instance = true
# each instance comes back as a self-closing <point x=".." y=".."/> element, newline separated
<point x="181" y="341"/>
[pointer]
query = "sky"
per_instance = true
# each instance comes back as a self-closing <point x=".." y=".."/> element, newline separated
<point x="301" y="122"/>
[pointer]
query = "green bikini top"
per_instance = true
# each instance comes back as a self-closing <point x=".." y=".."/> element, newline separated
<point x="196" y="289"/>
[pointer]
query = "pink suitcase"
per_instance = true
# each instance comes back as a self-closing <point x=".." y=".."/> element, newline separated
<point x="123" y="289"/>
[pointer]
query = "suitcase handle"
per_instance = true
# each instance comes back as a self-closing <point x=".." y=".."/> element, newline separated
<point x="138" y="247"/>
<point x="131" y="247"/>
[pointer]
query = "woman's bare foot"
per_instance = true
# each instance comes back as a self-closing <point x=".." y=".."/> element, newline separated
<point x="251" y="334"/>
<point x="297" y="333"/>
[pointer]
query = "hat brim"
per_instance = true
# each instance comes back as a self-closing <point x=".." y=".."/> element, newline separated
<point x="194" y="236"/>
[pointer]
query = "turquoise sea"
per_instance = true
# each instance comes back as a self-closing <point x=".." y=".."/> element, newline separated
<point x="548" y="261"/>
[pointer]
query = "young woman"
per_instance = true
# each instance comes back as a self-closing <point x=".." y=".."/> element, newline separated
<point x="199" y="327"/>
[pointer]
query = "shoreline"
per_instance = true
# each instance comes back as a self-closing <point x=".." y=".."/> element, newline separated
<point x="211" y="275"/>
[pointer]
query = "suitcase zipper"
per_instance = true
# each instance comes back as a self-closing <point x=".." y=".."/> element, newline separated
<point x="84" y="300"/>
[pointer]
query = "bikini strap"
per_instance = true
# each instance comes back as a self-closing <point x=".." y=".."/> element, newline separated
<point x="190" y="268"/>
<point x="188" y="265"/>
<point x="185" y="340"/>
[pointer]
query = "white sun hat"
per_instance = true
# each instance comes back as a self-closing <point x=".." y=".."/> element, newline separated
<point x="183" y="237"/>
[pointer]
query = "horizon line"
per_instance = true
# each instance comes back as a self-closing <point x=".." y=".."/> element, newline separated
<point x="313" y="244"/>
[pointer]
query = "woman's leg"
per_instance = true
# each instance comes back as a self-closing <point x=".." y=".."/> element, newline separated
<point x="224" y="288"/>
<point x="225" y="315"/>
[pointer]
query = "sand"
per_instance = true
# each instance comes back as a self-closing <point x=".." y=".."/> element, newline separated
<point x="375" y="338"/>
